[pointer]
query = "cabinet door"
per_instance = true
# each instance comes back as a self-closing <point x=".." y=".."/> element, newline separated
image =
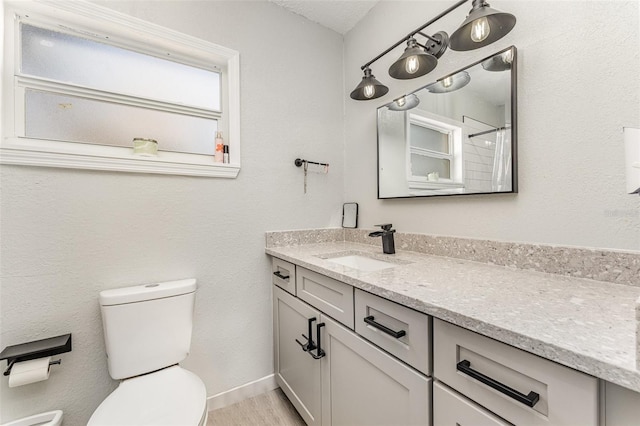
<point x="297" y="373"/>
<point x="361" y="385"/>
<point x="452" y="409"/>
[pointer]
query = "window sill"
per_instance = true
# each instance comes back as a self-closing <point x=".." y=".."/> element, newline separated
<point x="45" y="153"/>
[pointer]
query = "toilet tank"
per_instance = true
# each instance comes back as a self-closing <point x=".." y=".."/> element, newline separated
<point x="147" y="327"/>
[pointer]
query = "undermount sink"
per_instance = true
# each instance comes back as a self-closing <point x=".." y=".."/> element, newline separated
<point x="362" y="263"/>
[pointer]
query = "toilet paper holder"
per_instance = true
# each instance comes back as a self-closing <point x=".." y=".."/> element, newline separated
<point x="36" y="349"/>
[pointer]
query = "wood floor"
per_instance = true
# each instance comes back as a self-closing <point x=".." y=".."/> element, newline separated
<point x="269" y="409"/>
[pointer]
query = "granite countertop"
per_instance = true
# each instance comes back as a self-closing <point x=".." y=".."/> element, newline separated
<point x="584" y="324"/>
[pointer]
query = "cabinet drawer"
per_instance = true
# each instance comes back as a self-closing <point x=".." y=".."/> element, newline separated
<point x="452" y="409"/>
<point x="284" y="275"/>
<point x="461" y="357"/>
<point x="332" y="297"/>
<point x="381" y="321"/>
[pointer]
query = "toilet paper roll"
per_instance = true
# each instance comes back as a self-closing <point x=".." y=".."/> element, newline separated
<point x="26" y="372"/>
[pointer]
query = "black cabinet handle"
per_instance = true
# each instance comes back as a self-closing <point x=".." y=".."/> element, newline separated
<point x="319" y="353"/>
<point x="309" y="346"/>
<point x="397" y="334"/>
<point x="279" y="275"/>
<point x="530" y="400"/>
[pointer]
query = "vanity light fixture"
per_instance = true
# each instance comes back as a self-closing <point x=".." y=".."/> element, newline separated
<point x="499" y="62"/>
<point x="482" y="27"/>
<point x="404" y="103"/>
<point x="418" y="60"/>
<point x="369" y="87"/>
<point x="450" y="83"/>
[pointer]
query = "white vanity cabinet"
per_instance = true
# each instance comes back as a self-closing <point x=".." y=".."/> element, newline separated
<point x="296" y="372"/>
<point x="621" y="407"/>
<point x="517" y="386"/>
<point x="347" y="380"/>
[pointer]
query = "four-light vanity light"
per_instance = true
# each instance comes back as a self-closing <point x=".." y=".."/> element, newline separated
<point x="483" y="26"/>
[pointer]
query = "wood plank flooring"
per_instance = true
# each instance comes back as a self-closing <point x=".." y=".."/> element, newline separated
<point x="269" y="409"/>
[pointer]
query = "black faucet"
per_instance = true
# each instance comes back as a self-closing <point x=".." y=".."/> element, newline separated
<point x="388" y="245"/>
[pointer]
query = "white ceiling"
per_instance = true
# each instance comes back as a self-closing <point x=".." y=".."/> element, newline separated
<point x="338" y="15"/>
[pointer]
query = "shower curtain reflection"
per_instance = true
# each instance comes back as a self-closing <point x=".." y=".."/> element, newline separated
<point x="501" y="176"/>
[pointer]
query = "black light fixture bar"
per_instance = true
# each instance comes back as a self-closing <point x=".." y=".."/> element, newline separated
<point x="416" y="31"/>
<point x="435" y="40"/>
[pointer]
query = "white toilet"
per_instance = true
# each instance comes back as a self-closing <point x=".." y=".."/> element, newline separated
<point x="147" y="332"/>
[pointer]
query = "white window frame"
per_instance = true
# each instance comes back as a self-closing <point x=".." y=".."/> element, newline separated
<point x="124" y="31"/>
<point x="454" y="133"/>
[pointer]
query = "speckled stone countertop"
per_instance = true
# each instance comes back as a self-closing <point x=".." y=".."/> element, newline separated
<point x="584" y="324"/>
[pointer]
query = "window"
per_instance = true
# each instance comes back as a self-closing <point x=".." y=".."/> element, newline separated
<point x="433" y="152"/>
<point x="87" y="82"/>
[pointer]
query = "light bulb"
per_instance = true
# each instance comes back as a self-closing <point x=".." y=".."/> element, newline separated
<point x="480" y="29"/>
<point x="447" y="82"/>
<point x="507" y="57"/>
<point x="412" y="64"/>
<point x="400" y="102"/>
<point x="369" y="91"/>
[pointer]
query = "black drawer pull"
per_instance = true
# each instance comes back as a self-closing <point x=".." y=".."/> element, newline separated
<point x="397" y="334"/>
<point x="530" y="400"/>
<point x="279" y="275"/>
<point x="309" y="346"/>
<point x="320" y="353"/>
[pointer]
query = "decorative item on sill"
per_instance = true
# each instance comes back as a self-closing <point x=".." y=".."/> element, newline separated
<point x="145" y="147"/>
<point x="219" y="155"/>
<point x="316" y="167"/>
<point x="482" y="27"/>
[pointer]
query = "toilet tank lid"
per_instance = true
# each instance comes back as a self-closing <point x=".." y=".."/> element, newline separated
<point x="140" y="293"/>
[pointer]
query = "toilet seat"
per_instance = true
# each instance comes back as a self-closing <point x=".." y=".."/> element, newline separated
<point x="172" y="396"/>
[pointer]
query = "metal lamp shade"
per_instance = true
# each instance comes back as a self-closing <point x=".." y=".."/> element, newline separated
<point x="404" y="103"/>
<point x="369" y="88"/>
<point x="425" y="61"/>
<point x="458" y="81"/>
<point x="500" y="24"/>
<point x="499" y="63"/>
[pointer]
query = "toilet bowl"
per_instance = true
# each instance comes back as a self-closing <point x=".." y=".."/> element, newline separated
<point x="50" y="418"/>
<point x="147" y="332"/>
<point x="172" y="396"/>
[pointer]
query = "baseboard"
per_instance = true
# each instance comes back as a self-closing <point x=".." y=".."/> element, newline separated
<point x="240" y="393"/>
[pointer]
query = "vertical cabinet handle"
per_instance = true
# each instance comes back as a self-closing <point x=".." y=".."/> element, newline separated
<point x="529" y="400"/>
<point x="397" y="334"/>
<point x="309" y="346"/>
<point x="319" y="353"/>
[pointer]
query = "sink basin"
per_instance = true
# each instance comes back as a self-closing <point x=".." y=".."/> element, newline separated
<point x="362" y="263"/>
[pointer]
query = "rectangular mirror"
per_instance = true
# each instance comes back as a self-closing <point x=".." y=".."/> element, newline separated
<point x="454" y="136"/>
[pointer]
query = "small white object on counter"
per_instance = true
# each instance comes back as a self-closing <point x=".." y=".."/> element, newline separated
<point x="632" y="154"/>
<point x="638" y="334"/>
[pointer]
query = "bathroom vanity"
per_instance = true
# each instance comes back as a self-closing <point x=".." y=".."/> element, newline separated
<point x="366" y="338"/>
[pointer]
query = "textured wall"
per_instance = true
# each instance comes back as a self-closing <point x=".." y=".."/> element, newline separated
<point x="577" y="85"/>
<point x="67" y="234"/>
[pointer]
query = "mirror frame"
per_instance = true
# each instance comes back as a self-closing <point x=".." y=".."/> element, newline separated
<point x="514" y="128"/>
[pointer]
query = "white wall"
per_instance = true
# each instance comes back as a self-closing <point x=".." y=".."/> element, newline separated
<point x="577" y="86"/>
<point x="67" y="234"/>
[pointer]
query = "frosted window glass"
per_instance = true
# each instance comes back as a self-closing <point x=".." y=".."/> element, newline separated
<point x="75" y="60"/>
<point x="426" y="138"/>
<point x="75" y="119"/>
<point x="422" y="165"/>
